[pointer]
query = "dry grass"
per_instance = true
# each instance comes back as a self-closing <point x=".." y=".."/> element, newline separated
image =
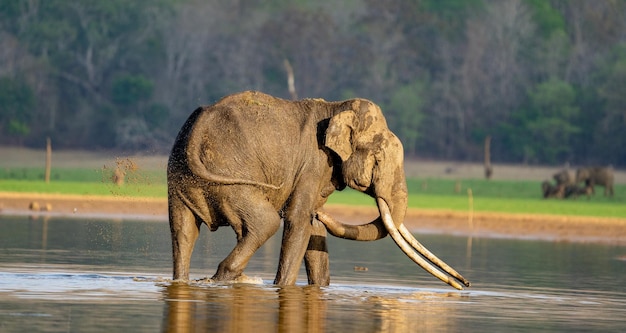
<point x="22" y="157"/>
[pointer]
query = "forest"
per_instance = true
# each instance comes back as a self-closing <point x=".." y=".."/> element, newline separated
<point x="544" y="79"/>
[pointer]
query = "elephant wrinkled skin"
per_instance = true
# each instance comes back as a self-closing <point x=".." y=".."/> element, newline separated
<point x="252" y="160"/>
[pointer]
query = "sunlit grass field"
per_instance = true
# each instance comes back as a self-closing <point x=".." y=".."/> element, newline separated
<point x="501" y="196"/>
<point x="505" y="196"/>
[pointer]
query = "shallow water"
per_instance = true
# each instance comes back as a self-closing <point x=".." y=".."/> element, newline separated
<point x="89" y="275"/>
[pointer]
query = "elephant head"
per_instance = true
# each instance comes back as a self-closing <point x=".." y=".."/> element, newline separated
<point x="372" y="161"/>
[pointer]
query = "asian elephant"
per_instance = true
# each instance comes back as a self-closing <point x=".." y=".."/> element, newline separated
<point x="552" y="191"/>
<point x="592" y="176"/>
<point x="252" y="160"/>
<point x="563" y="177"/>
<point x="573" y="190"/>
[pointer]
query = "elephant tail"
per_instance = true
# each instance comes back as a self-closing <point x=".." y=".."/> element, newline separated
<point x="200" y="170"/>
<point x="216" y="179"/>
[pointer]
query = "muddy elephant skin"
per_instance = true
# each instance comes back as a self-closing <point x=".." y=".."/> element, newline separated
<point x="252" y="160"/>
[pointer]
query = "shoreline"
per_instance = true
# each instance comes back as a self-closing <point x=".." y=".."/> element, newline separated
<point x="557" y="228"/>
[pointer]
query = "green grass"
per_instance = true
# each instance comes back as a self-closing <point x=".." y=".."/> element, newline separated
<point x="138" y="183"/>
<point x="81" y="175"/>
<point x="522" y="197"/>
<point x="578" y="207"/>
<point x="84" y="188"/>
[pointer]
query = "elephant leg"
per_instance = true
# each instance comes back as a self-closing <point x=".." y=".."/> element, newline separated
<point x="185" y="230"/>
<point x="254" y="227"/>
<point x="295" y="239"/>
<point x="590" y="185"/>
<point x="296" y="235"/>
<point x="316" y="256"/>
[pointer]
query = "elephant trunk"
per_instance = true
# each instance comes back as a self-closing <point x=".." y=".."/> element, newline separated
<point x="373" y="230"/>
<point x="390" y="222"/>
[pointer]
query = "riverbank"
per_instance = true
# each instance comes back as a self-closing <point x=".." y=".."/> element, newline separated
<point x="476" y="224"/>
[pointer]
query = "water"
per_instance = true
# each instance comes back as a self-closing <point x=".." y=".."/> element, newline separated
<point x="90" y="275"/>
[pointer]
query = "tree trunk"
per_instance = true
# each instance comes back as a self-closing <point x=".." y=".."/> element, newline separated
<point x="488" y="167"/>
<point x="291" y="83"/>
<point x="48" y="160"/>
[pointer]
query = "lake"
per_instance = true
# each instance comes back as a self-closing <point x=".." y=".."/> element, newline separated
<point x="97" y="275"/>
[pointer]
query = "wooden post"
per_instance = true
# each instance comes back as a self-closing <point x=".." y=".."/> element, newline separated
<point x="488" y="167"/>
<point x="48" y="159"/>
<point x="470" y="221"/>
<point x="290" y="80"/>
<point x="470" y="203"/>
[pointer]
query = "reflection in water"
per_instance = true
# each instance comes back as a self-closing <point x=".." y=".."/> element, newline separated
<point x="263" y="308"/>
<point x="100" y="275"/>
<point x="243" y="308"/>
<point x="301" y="307"/>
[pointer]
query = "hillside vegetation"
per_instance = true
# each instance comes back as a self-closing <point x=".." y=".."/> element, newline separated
<point x="544" y="78"/>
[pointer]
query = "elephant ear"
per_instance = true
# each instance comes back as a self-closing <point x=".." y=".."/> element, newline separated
<point x="339" y="134"/>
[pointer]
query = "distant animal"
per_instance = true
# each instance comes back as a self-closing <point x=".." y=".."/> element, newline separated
<point x="563" y="177"/>
<point x="596" y="175"/>
<point x="552" y="191"/>
<point x="573" y="190"/>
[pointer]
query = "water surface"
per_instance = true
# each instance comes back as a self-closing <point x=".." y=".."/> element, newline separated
<point x="92" y="275"/>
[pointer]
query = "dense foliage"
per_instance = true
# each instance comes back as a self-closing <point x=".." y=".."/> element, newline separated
<point x="544" y="78"/>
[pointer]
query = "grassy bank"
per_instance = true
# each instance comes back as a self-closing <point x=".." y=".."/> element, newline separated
<point x="506" y="196"/>
<point x="522" y="197"/>
<point x="579" y="207"/>
<point x="90" y="175"/>
<point x="84" y="188"/>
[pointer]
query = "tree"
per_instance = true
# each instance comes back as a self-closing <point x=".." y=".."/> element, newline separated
<point x="548" y="122"/>
<point x="307" y="39"/>
<point x="480" y="80"/>
<point x="404" y="115"/>
<point x="129" y="90"/>
<point x="126" y="73"/>
<point x="609" y="134"/>
<point x="17" y="103"/>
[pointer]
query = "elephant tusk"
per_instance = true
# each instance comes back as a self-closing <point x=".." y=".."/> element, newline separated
<point x="430" y="256"/>
<point x="406" y="248"/>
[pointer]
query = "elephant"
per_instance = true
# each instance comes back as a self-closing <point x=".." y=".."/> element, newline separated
<point x="596" y="175"/>
<point x="563" y="177"/>
<point x="252" y="160"/>
<point x="573" y="190"/>
<point x="552" y="191"/>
